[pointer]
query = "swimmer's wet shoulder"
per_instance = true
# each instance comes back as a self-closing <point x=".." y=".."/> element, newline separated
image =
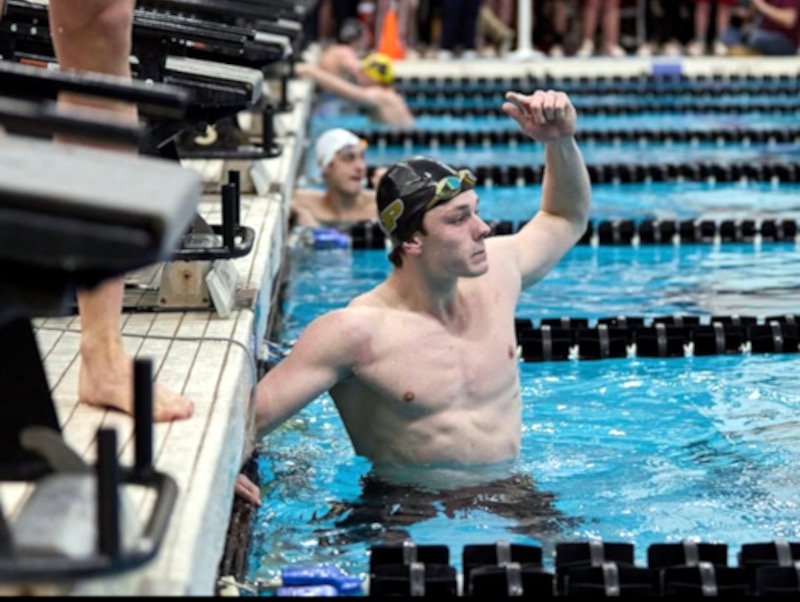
<point x="315" y="208"/>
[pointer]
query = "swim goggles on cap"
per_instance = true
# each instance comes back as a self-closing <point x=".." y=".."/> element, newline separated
<point x="451" y="186"/>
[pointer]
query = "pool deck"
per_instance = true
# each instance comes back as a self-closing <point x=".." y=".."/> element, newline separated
<point x="212" y="360"/>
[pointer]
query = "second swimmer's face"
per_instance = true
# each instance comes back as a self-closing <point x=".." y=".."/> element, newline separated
<point x="347" y="170"/>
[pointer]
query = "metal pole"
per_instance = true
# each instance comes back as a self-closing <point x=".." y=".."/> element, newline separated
<point x="143" y="414"/>
<point x="234" y="179"/>
<point x="229" y="216"/>
<point x="524" y="26"/>
<point x="525" y="49"/>
<point x="108" y="480"/>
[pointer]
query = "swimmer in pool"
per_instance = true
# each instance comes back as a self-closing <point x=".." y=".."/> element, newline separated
<point x="423" y="368"/>
<point x="384" y="103"/>
<point x="342" y="58"/>
<point x="340" y="157"/>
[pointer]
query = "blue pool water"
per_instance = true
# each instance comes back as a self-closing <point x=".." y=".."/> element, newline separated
<point x="655" y="200"/>
<point x="684" y="120"/>
<point x="677" y="101"/>
<point x="637" y="450"/>
<point x="630" y="153"/>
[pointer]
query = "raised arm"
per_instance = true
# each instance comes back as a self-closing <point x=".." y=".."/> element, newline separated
<point x="550" y="118"/>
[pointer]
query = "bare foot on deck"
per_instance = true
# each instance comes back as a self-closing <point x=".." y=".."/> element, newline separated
<point x="106" y="380"/>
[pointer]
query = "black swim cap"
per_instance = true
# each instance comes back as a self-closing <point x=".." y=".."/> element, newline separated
<point x="350" y="31"/>
<point x="410" y="188"/>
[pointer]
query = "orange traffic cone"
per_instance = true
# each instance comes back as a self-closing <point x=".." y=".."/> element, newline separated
<point x="390" y="44"/>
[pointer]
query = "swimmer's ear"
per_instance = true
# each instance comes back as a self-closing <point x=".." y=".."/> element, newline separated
<point x="413" y="246"/>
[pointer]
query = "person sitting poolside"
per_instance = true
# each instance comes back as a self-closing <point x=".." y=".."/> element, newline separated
<point x="340" y="157"/>
<point x="775" y="31"/>
<point x="423" y="368"/>
<point x="385" y="104"/>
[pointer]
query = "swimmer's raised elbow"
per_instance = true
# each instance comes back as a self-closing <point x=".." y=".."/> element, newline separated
<point x="581" y="220"/>
<point x="579" y="212"/>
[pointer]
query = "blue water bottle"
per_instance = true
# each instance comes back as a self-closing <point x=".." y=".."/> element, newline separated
<point x="308" y="591"/>
<point x="329" y="238"/>
<point x="346" y="585"/>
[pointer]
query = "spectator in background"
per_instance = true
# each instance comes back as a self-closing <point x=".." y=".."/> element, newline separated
<point x="495" y="21"/>
<point x="775" y="29"/>
<point x="553" y="21"/>
<point x="702" y="20"/>
<point x="330" y="16"/>
<point x="459" y="28"/>
<point x="427" y="12"/>
<point x="669" y="27"/>
<point x="344" y="10"/>
<point x="494" y="31"/>
<point x="590" y="20"/>
<point x="504" y="9"/>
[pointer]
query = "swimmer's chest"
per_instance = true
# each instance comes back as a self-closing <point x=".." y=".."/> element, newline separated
<point x="423" y="367"/>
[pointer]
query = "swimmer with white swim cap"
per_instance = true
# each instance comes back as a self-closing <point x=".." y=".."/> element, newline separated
<point x="344" y="201"/>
